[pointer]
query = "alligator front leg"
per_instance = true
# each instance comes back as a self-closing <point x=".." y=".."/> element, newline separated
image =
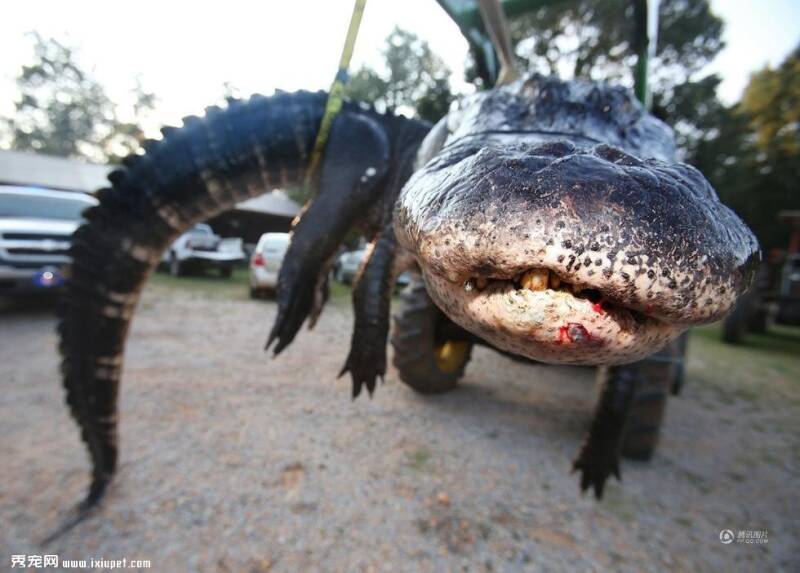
<point x="599" y="457"/>
<point x="352" y="180"/>
<point x="371" y="303"/>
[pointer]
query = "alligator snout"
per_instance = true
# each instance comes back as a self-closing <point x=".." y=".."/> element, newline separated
<point x="648" y="239"/>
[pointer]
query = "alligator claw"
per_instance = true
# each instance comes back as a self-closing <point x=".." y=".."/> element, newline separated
<point x="365" y="366"/>
<point x="596" y="462"/>
<point x="293" y="308"/>
<point x="302" y="295"/>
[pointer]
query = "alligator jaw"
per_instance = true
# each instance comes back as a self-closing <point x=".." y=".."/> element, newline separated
<point x="539" y="315"/>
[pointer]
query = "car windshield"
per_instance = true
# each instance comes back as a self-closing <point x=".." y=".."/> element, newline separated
<point x="44" y="207"/>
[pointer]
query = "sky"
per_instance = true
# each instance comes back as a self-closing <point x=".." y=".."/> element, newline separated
<point x="185" y="51"/>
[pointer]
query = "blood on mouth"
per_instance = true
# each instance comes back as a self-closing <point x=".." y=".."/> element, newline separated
<point x="574" y="332"/>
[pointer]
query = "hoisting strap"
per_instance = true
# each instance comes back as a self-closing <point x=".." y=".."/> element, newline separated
<point x="336" y="93"/>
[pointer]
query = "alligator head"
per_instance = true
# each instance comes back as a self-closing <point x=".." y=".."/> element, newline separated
<point x="554" y="222"/>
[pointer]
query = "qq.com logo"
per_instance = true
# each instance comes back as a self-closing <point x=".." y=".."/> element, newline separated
<point x="726" y="536"/>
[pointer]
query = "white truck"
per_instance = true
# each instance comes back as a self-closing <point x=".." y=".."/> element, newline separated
<point x="36" y="227"/>
<point x="199" y="248"/>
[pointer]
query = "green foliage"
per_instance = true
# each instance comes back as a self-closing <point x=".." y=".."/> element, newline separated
<point x="693" y="110"/>
<point x="414" y="79"/>
<point x="772" y="102"/>
<point x="61" y="110"/>
<point x="594" y="38"/>
<point x="752" y="156"/>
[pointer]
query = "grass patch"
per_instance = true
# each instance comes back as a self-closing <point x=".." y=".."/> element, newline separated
<point x="763" y="366"/>
<point x="339" y="292"/>
<point x="208" y="284"/>
<point x="779" y="341"/>
<point x="237" y="287"/>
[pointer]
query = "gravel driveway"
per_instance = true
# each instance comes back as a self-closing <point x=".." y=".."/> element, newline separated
<point x="232" y="461"/>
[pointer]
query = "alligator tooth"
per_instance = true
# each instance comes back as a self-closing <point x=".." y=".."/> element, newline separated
<point x="535" y="279"/>
<point x="555" y="281"/>
<point x="481" y="282"/>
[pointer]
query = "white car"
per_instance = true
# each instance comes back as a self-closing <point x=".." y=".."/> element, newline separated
<point x="347" y="265"/>
<point x="199" y="247"/>
<point x="36" y="227"/>
<point x="265" y="263"/>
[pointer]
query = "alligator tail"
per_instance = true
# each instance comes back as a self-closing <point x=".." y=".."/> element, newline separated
<point x="192" y="174"/>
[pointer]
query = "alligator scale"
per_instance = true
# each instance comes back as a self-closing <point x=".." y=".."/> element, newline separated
<point x="549" y="219"/>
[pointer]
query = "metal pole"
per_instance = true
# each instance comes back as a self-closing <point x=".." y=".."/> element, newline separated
<point x="645" y="42"/>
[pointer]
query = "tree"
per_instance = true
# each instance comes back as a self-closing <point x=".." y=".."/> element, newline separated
<point x="595" y="39"/>
<point x="414" y="79"/>
<point x="62" y="110"/>
<point x="752" y="157"/>
<point x="772" y="103"/>
<point x="230" y="92"/>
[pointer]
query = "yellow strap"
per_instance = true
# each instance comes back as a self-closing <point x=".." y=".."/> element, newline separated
<point x="336" y="93"/>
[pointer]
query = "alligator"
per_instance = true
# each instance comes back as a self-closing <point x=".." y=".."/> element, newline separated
<point x="550" y="218"/>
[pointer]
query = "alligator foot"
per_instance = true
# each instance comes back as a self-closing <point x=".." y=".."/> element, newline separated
<point x="371" y="300"/>
<point x="599" y="457"/>
<point x="302" y="292"/>
<point x="596" y="462"/>
<point x="366" y="365"/>
<point x="291" y="315"/>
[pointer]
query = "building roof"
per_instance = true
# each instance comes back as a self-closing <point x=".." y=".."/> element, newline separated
<point x="47" y="171"/>
<point x="275" y="203"/>
<point x="37" y="170"/>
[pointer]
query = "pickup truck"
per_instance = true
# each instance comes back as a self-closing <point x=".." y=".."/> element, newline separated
<point x="36" y="227"/>
<point x="199" y="248"/>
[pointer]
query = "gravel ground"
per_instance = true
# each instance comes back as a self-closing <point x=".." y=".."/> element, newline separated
<point x="234" y="462"/>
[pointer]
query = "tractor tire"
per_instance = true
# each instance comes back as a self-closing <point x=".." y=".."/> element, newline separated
<point x="655" y="377"/>
<point x="680" y="349"/>
<point x="425" y="363"/>
<point x="734" y="327"/>
<point x="758" y="322"/>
